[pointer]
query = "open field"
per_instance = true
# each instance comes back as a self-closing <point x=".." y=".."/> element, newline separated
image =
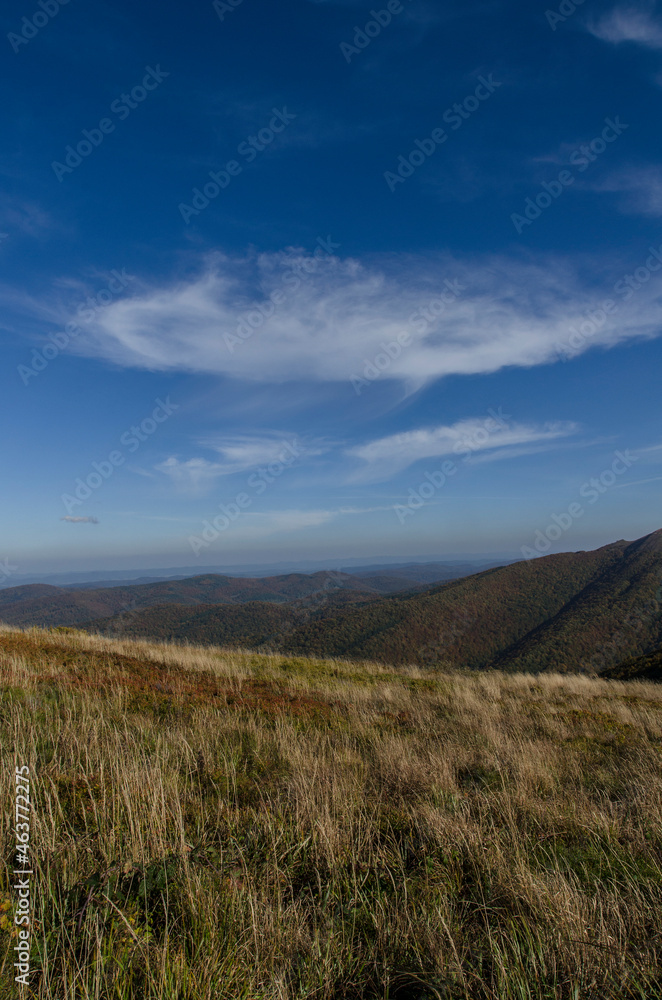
<point x="219" y="824"/>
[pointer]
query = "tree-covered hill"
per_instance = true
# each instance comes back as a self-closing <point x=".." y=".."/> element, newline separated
<point x="638" y="668"/>
<point x="45" y="605"/>
<point x="581" y="611"/>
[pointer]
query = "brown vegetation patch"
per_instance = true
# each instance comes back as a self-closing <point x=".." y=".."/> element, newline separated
<point x="273" y="699"/>
<point x="148" y="682"/>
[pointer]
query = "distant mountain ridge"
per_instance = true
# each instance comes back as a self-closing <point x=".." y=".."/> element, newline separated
<point x="421" y="572"/>
<point x="581" y="611"/>
<point x="73" y="604"/>
<point x="575" y="611"/>
<point x="44" y="604"/>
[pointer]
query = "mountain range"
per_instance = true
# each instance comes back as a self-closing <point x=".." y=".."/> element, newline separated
<point x="44" y="604"/>
<point x="575" y="611"/>
<point x="421" y="571"/>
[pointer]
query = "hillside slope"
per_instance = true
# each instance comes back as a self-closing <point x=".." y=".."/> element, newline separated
<point x="637" y="668"/>
<point x="617" y="614"/>
<point x="572" y="611"/>
<point x="251" y="624"/>
<point x="212" y="824"/>
<point x="42" y="604"/>
<point x="45" y="605"/>
<point x="248" y="625"/>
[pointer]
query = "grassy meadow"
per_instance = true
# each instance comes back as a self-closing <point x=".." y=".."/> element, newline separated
<point x="225" y="825"/>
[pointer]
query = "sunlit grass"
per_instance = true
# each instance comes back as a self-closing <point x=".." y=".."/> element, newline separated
<point x="218" y="824"/>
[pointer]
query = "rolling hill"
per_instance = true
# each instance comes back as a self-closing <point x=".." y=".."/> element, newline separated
<point x="637" y="668"/>
<point x="573" y="611"/>
<point x="581" y="611"/>
<point x="250" y="625"/>
<point x="413" y="573"/>
<point x="46" y="605"/>
<point x="210" y="821"/>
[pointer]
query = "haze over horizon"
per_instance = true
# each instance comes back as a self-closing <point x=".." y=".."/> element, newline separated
<point x="321" y="282"/>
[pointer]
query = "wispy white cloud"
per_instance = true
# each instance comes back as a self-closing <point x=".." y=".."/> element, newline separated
<point x="25" y="217"/>
<point x="254" y="525"/>
<point x="506" y="453"/>
<point x="637" y="482"/>
<point x="80" y="520"/>
<point x="237" y="455"/>
<point x="288" y="520"/>
<point x="244" y="452"/>
<point x="191" y="475"/>
<point x="651" y="454"/>
<point x="640" y="189"/>
<point x="387" y="456"/>
<point x="260" y="524"/>
<point x="509" y="312"/>
<point x="154" y="517"/>
<point x="632" y="23"/>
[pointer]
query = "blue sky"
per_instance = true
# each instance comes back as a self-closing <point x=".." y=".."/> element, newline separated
<point x="321" y="280"/>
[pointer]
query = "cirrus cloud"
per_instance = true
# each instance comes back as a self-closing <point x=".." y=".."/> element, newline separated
<point x="241" y="453"/>
<point x="387" y="456"/>
<point x="633" y="23"/>
<point x="508" y="312"/>
<point x="639" y="188"/>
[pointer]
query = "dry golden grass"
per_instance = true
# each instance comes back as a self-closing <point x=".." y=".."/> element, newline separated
<point x="217" y="824"/>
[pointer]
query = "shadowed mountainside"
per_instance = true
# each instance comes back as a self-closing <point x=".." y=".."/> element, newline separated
<point x="638" y="668"/>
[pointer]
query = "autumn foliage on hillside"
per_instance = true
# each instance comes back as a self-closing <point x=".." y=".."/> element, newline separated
<point x="573" y="612"/>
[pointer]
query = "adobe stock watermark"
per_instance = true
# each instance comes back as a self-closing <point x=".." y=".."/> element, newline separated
<point x="333" y="583"/>
<point x="422" y="319"/>
<point x="122" y="108"/>
<point x="6" y="570"/>
<point x="591" y="491"/>
<point x="432" y="654"/>
<point x="455" y="117"/>
<point x="566" y="9"/>
<point x="363" y="37"/>
<point x="437" y="479"/>
<point x="124" y="616"/>
<point x="130" y="439"/>
<point x="31" y="26"/>
<point x="595" y="319"/>
<point x="87" y="311"/>
<point x="581" y="158"/>
<point x="257" y="482"/>
<point x="290" y="282"/>
<point x="23" y="868"/>
<point x="225" y="7"/>
<point x="248" y="149"/>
